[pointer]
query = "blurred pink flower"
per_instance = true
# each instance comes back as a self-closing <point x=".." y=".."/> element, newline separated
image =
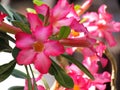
<point x="82" y="82"/>
<point x="2" y="16"/>
<point x="101" y="24"/>
<point x="63" y="14"/>
<point x="36" y="48"/>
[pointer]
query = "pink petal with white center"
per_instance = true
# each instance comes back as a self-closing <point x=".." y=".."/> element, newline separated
<point x="34" y="20"/>
<point x="53" y="48"/>
<point x="42" y="9"/>
<point x="26" y="56"/>
<point x="43" y="33"/>
<point x="24" y="40"/>
<point x="110" y="39"/>
<point x="42" y="63"/>
<point x="61" y="9"/>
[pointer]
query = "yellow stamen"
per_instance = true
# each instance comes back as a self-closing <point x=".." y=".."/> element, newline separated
<point x="75" y="34"/>
<point x="76" y="87"/>
<point x="38" y="46"/>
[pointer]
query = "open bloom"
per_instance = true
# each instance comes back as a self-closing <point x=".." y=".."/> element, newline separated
<point x="101" y="25"/>
<point x="36" y="48"/>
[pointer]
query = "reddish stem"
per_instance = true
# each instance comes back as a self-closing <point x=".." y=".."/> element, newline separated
<point x="8" y="28"/>
<point x="76" y="42"/>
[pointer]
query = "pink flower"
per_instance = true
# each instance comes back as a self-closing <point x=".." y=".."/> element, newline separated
<point x="101" y="25"/>
<point x="2" y="16"/>
<point x="36" y="48"/>
<point x="84" y="83"/>
<point x="63" y="14"/>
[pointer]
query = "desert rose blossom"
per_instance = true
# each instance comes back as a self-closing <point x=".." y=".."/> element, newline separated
<point x="36" y="48"/>
<point x="101" y="25"/>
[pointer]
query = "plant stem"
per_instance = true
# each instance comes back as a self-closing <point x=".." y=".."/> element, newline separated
<point x="114" y="69"/>
<point x="45" y="83"/>
<point x="29" y="79"/>
<point x="34" y="81"/>
<point x="8" y="28"/>
<point x="75" y="42"/>
<point x="84" y="7"/>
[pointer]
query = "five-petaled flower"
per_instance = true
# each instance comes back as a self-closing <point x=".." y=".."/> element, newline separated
<point x="36" y="48"/>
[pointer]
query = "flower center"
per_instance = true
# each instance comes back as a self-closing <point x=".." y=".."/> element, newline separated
<point x="38" y="46"/>
<point x="74" y="33"/>
<point x="76" y="87"/>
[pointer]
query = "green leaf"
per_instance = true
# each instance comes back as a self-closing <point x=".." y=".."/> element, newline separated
<point x="19" y="74"/>
<point x="6" y="70"/>
<point x="38" y="2"/>
<point x="16" y="88"/>
<point x="24" y="27"/>
<point x="15" y="52"/>
<point x="79" y="65"/>
<point x="61" y="76"/>
<point x="31" y="10"/>
<point x="19" y="17"/>
<point x="41" y="17"/>
<point x="64" y="32"/>
<point x="2" y="9"/>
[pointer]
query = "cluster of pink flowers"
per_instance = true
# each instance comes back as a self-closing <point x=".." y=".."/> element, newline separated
<point x="43" y="42"/>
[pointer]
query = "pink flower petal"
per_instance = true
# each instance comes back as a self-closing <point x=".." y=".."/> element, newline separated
<point x="26" y="56"/>
<point x="53" y="48"/>
<point x="110" y="39"/>
<point x="43" y="33"/>
<point x="43" y="9"/>
<point x="42" y="63"/>
<point x="24" y="40"/>
<point x="33" y="20"/>
<point x="77" y="26"/>
<point x="61" y="9"/>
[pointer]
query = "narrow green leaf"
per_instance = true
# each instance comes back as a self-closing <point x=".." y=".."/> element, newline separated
<point x="19" y="74"/>
<point x="16" y="88"/>
<point x="64" y="32"/>
<point x="2" y="9"/>
<point x="15" y="52"/>
<point x="38" y="2"/>
<point x="77" y="63"/>
<point x="6" y="70"/>
<point x="61" y="76"/>
<point x="19" y="17"/>
<point x="21" y="25"/>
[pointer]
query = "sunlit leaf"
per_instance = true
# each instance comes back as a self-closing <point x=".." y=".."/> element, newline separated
<point x="38" y="2"/>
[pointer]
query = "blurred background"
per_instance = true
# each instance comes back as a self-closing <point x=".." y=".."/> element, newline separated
<point x="21" y="5"/>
